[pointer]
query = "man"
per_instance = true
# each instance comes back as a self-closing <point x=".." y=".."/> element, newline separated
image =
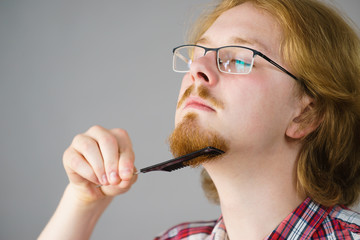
<point x="273" y="83"/>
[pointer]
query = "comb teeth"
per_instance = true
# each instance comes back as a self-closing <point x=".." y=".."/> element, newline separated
<point x="182" y="161"/>
<point x="174" y="167"/>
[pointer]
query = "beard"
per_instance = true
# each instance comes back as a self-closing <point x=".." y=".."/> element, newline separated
<point x="189" y="136"/>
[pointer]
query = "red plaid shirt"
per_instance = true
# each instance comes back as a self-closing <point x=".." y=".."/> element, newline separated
<point x="308" y="221"/>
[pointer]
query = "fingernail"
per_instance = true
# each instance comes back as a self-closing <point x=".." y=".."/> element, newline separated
<point x="113" y="177"/>
<point x="104" y="180"/>
<point x="126" y="173"/>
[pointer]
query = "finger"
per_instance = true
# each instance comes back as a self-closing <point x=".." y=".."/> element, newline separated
<point x="109" y="149"/>
<point x="120" y="188"/>
<point x="126" y="184"/>
<point x="78" y="168"/>
<point x="127" y="156"/>
<point x="89" y="148"/>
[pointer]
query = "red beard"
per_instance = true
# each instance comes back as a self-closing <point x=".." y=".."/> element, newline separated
<point x="188" y="137"/>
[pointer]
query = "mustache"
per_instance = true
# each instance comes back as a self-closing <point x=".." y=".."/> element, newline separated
<point x="203" y="93"/>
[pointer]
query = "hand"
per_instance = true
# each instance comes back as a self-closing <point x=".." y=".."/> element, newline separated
<point x="100" y="157"/>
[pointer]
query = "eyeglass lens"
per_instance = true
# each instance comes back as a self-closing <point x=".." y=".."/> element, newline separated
<point x="233" y="60"/>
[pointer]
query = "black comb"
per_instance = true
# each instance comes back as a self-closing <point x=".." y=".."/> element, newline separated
<point x="180" y="162"/>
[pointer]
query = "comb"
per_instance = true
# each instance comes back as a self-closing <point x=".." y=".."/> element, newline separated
<point x="180" y="162"/>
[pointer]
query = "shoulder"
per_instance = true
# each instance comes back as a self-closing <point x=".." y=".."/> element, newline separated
<point x="188" y="230"/>
<point x="345" y="220"/>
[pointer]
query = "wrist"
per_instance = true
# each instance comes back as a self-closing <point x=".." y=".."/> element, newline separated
<point x="75" y="217"/>
<point x="86" y="199"/>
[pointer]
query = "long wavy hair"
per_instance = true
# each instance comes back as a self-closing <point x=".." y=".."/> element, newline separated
<point x="323" y="50"/>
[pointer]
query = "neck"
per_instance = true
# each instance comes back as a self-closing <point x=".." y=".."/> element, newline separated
<point x="256" y="192"/>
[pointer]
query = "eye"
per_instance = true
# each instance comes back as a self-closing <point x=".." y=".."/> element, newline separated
<point x="235" y="60"/>
<point x="240" y="65"/>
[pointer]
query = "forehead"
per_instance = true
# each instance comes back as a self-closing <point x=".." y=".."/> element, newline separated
<point x="245" y="25"/>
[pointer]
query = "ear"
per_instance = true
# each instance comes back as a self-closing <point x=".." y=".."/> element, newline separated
<point x="305" y="121"/>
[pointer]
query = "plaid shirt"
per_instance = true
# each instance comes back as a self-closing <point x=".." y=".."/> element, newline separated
<point x="308" y="221"/>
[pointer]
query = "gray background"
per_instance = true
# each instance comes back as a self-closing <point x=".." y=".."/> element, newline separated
<point x="67" y="65"/>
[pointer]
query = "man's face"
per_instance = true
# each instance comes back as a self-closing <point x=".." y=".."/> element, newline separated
<point x="251" y="112"/>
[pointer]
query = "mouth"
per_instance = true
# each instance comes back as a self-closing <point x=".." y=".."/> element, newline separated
<point x="198" y="103"/>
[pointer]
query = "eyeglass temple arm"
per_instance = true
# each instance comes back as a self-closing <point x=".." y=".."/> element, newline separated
<point x="277" y="65"/>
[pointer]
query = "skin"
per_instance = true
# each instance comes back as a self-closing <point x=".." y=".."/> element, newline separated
<point x="258" y="117"/>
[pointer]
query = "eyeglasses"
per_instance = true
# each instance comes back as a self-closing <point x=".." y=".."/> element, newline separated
<point x="229" y="59"/>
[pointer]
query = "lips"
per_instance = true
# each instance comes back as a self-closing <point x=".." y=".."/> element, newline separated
<point x="198" y="103"/>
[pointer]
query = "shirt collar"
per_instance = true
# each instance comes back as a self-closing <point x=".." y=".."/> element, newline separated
<point x="219" y="231"/>
<point x="302" y="222"/>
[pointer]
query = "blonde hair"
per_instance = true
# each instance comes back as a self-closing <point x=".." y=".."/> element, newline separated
<point x="323" y="51"/>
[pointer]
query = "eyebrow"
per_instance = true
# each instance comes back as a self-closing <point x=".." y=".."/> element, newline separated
<point x="241" y="41"/>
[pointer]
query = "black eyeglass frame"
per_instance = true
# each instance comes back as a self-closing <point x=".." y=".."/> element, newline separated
<point x="255" y="52"/>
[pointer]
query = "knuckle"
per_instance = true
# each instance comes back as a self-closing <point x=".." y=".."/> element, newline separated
<point x="96" y="128"/>
<point x="121" y="132"/>
<point x="87" y="144"/>
<point x="66" y="155"/>
<point x="77" y="139"/>
<point x="73" y="161"/>
<point x="109" y="139"/>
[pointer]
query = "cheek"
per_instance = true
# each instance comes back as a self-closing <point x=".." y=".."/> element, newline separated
<point x="256" y="106"/>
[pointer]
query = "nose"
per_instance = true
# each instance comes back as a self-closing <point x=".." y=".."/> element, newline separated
<point x="204" y="69"/>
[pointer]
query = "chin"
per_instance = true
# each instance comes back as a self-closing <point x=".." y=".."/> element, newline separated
<point x="189" y="136"/>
